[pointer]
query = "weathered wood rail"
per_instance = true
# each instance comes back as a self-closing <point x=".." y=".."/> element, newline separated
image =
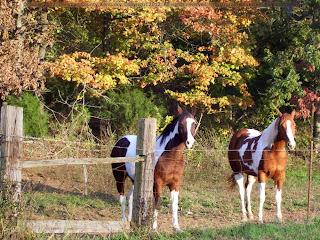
<point x="77" y="161"/>
<point x="79" y="226"/>
<point x="11" y="166"/>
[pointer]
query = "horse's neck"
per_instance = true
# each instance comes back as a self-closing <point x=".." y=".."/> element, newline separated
<point x="161" y="144"/>
<point x="269" y="135"/>
<point x="278" y="145"/>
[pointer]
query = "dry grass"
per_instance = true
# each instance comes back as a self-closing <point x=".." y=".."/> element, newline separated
<point x="205" y="202"/>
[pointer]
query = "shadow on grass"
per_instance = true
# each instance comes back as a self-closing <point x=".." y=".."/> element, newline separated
<point x="39" y="187"/>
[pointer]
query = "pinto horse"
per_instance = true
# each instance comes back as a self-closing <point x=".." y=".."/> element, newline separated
<point x="262" y="156"/>
<point x="169" y="163"/>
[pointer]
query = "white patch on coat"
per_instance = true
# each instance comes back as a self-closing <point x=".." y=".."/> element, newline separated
<point x="267" y="138"/>
<point x="242" y="150"/>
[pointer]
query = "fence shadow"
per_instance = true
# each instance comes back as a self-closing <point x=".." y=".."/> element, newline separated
<point x="29" y="186"/>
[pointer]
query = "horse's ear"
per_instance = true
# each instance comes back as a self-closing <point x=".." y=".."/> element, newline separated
<point x="179" y="109"/>
<point x="293" y="113"/>
<point x="279" y="113"/>
<point x="193" y="110"/>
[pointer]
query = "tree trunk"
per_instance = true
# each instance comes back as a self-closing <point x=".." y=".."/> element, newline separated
<point x="44" y="30"/>
<point x="106" y="32"/>
<point x="316" y="128"/>
<point x="20" y="36"/>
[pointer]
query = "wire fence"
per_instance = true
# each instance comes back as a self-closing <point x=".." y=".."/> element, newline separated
<point x="47" y="148"/>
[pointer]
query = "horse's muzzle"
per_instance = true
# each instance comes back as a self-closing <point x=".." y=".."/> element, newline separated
<point x="291" y="146"/>
<point x="189" y="144"/>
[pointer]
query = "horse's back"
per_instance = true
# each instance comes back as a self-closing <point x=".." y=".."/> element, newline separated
<point x="240" y="136"/>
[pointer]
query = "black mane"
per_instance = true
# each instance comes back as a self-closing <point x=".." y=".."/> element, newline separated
<point x="169" y="128"/>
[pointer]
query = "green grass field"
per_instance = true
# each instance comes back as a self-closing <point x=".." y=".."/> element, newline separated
<point x="207" y="210"/>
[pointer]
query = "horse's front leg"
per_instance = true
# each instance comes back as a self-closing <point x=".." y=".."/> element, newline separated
<point x="278" y="201"/>
<point x="157" y="202"/>
<point x="278" y="189"/>
<point x="262" y="197"/>
<point x="174" y="195"/>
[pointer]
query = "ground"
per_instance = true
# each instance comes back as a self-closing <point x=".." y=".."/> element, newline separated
<point x="205" y="202"/>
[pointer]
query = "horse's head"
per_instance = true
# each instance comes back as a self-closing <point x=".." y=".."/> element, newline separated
<point x="186" y="126"/>
<point x="287" y="128"/>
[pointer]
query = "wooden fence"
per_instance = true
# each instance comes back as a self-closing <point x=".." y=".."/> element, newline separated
<point x="12" y="165"/>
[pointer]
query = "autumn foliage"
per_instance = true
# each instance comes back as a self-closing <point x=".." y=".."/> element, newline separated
<point x="191" y="53"/>
<point x="19" y="47"/>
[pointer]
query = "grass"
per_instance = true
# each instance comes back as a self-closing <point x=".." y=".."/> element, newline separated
<point x="207" y="210"/>
<point x="290" y="230"/>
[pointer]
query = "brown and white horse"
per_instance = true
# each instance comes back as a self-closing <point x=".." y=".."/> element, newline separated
<point x="262" y="156"/>
<point x="169" y="163"/>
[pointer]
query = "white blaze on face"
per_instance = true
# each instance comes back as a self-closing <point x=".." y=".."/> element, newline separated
<point x="190" y="139"/>
<point x="292" y="142"/>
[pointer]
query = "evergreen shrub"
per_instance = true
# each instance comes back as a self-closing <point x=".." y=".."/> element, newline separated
<point x="35" y="120"/>
<point x="128" y="105"/>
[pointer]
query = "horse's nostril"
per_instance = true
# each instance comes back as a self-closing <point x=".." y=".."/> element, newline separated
<point x="187" y="142"/>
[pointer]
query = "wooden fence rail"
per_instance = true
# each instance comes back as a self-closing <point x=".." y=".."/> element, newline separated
<point x="11" y="166"/>
<point x="78" y="161"/>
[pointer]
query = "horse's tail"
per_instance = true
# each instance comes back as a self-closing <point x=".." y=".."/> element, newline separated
<point x="232" y="182"/>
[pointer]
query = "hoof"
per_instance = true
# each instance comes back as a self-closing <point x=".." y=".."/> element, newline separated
<point x="177" y="229"/>
<point x="251" y="216"/>
<point x="244" y="218"/>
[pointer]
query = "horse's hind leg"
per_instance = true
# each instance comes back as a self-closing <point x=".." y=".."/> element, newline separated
<point x="239" y="180"/>
<point x="251" y="180"/>
<point x="130" y="202"/>
<point x="120" y="174"/>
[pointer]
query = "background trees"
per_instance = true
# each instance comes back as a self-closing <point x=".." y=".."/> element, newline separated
<point x="238" y="64"/>
<point x="22" y="34"/>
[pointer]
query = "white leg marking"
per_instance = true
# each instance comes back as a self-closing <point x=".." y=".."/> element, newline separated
<point x="278" y="200"/>
<point x="174" y="207"/>
<point x="262" y="197"/>
<point x="239" y="179"/>
<point x="251" y="181"/>
<point x="155" y="222"/>
<point x="122" y="200"/>
<point x="130" y="202"/>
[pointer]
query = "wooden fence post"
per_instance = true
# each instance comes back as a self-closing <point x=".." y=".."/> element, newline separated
<point x="144" y="175"/>
<point x="310" y="179"/>
<point x="11" y="147"/>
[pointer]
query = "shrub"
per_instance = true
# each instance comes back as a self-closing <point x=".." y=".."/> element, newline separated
<point x="35" y="120"/>
<point x="128" y="105"/>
